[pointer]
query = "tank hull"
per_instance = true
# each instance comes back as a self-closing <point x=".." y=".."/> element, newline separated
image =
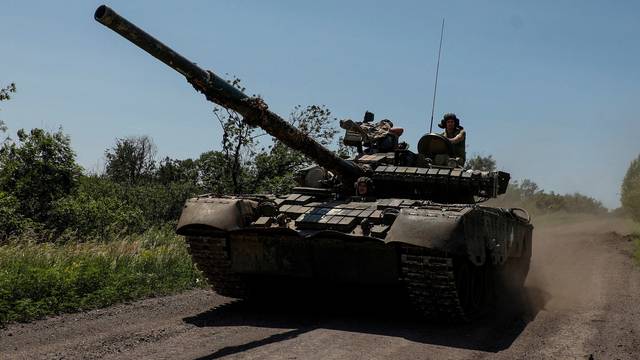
<point x="450" y="260"/>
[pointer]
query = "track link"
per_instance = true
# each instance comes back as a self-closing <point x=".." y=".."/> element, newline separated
<point x="431" y="285"/>
<point x="211" y="256"/>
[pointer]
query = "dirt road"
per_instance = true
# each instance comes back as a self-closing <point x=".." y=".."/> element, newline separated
<point x="584" y="302"/>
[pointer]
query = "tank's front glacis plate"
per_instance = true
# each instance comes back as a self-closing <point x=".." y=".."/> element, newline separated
<point x="323" y="256"/>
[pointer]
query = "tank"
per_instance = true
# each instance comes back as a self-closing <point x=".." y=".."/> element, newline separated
<point x="386" y="218"/>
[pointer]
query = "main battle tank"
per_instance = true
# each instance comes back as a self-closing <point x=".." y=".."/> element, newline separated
<point x="416" y="226"/>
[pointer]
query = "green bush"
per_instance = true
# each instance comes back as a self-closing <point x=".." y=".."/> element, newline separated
<point x="83" y="216"/>
<point x="38" y="169"/>
<point x="159" y="203"/>
<point x="97" y="209"/>
<point x="12" y="222"/>
<point x="43" y="279"/>
<point x="101" y="208"/>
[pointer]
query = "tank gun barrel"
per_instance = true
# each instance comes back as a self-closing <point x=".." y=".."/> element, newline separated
<point x="254" y="111"/>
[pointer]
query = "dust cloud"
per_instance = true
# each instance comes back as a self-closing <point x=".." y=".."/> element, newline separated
<point x="567" y="256"/>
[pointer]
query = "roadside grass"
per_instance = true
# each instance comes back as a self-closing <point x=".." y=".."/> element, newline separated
<point x="41" y="279"/>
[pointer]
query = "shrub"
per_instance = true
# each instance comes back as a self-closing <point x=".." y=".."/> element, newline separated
<point x="12" y="222"/>
<point x="38" y="170"/>
<point x="101" y="208"/>
<point x="84" y="216"/>
<point x="43" y="279"/>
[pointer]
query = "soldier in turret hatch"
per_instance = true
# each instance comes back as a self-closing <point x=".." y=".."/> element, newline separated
<point x="456" y="135"/>
<point x="364" y="188"/>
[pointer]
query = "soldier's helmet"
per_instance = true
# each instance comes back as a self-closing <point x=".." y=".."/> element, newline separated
<point x="386" y="121"/>
<point x="367" y="181"/>
<point x="447" y="116"/>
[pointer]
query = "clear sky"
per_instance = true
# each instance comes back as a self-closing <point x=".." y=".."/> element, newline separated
<point x="549" y="88"/>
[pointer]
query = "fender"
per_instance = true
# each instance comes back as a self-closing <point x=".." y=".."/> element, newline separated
<point x="433" y="229"/>
<point x="474" y="232"/>
<point x="222" y="214"/>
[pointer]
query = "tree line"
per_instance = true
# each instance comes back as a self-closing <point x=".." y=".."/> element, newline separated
<point x="527" y="194"/>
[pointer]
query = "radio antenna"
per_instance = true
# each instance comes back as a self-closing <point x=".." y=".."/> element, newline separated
<point x="435" y="87"/>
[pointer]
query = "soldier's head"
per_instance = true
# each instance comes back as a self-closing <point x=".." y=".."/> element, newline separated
<point x="364" y="186"/>
<point x="450" y="122"/>
<point x="386" y="124"/>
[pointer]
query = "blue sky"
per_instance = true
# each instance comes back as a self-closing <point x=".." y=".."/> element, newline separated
<point x="549" y="88"/>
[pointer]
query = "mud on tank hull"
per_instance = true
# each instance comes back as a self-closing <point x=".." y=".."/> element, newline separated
<point x="449" y="259"/>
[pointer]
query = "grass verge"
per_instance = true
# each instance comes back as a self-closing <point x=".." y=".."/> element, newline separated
<point x="40" y="279"/>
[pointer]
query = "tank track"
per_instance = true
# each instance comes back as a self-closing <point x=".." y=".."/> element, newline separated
<point x="431" y="285"/>
<point x="211" y="256"/>
<point x="430" y="280"/>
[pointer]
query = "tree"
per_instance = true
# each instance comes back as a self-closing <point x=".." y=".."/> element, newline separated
<point x="212" y="172"/>
<point x="482" y="163"/>
<point x="315" y="121"/>
<point x="630" y="190"/>
<point x="240" y="168"/>
<point x="528" y="189"/>
<point x="275" y="168"/>
<point x="5" y="94"/>
<point x="97" y="208"/>
<point x="173" y="170"/>
<point x="37" y="170"/>
<point x="12" y="219"/>
<point x="238" y="144"/>
<point x="131" y="161"/>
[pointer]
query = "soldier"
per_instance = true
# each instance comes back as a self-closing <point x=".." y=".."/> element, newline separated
<point x="385" y="135"/>
<point x="456" y="135"/>
<point x="364" y="188"/>
<point x="377" y="137"/>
